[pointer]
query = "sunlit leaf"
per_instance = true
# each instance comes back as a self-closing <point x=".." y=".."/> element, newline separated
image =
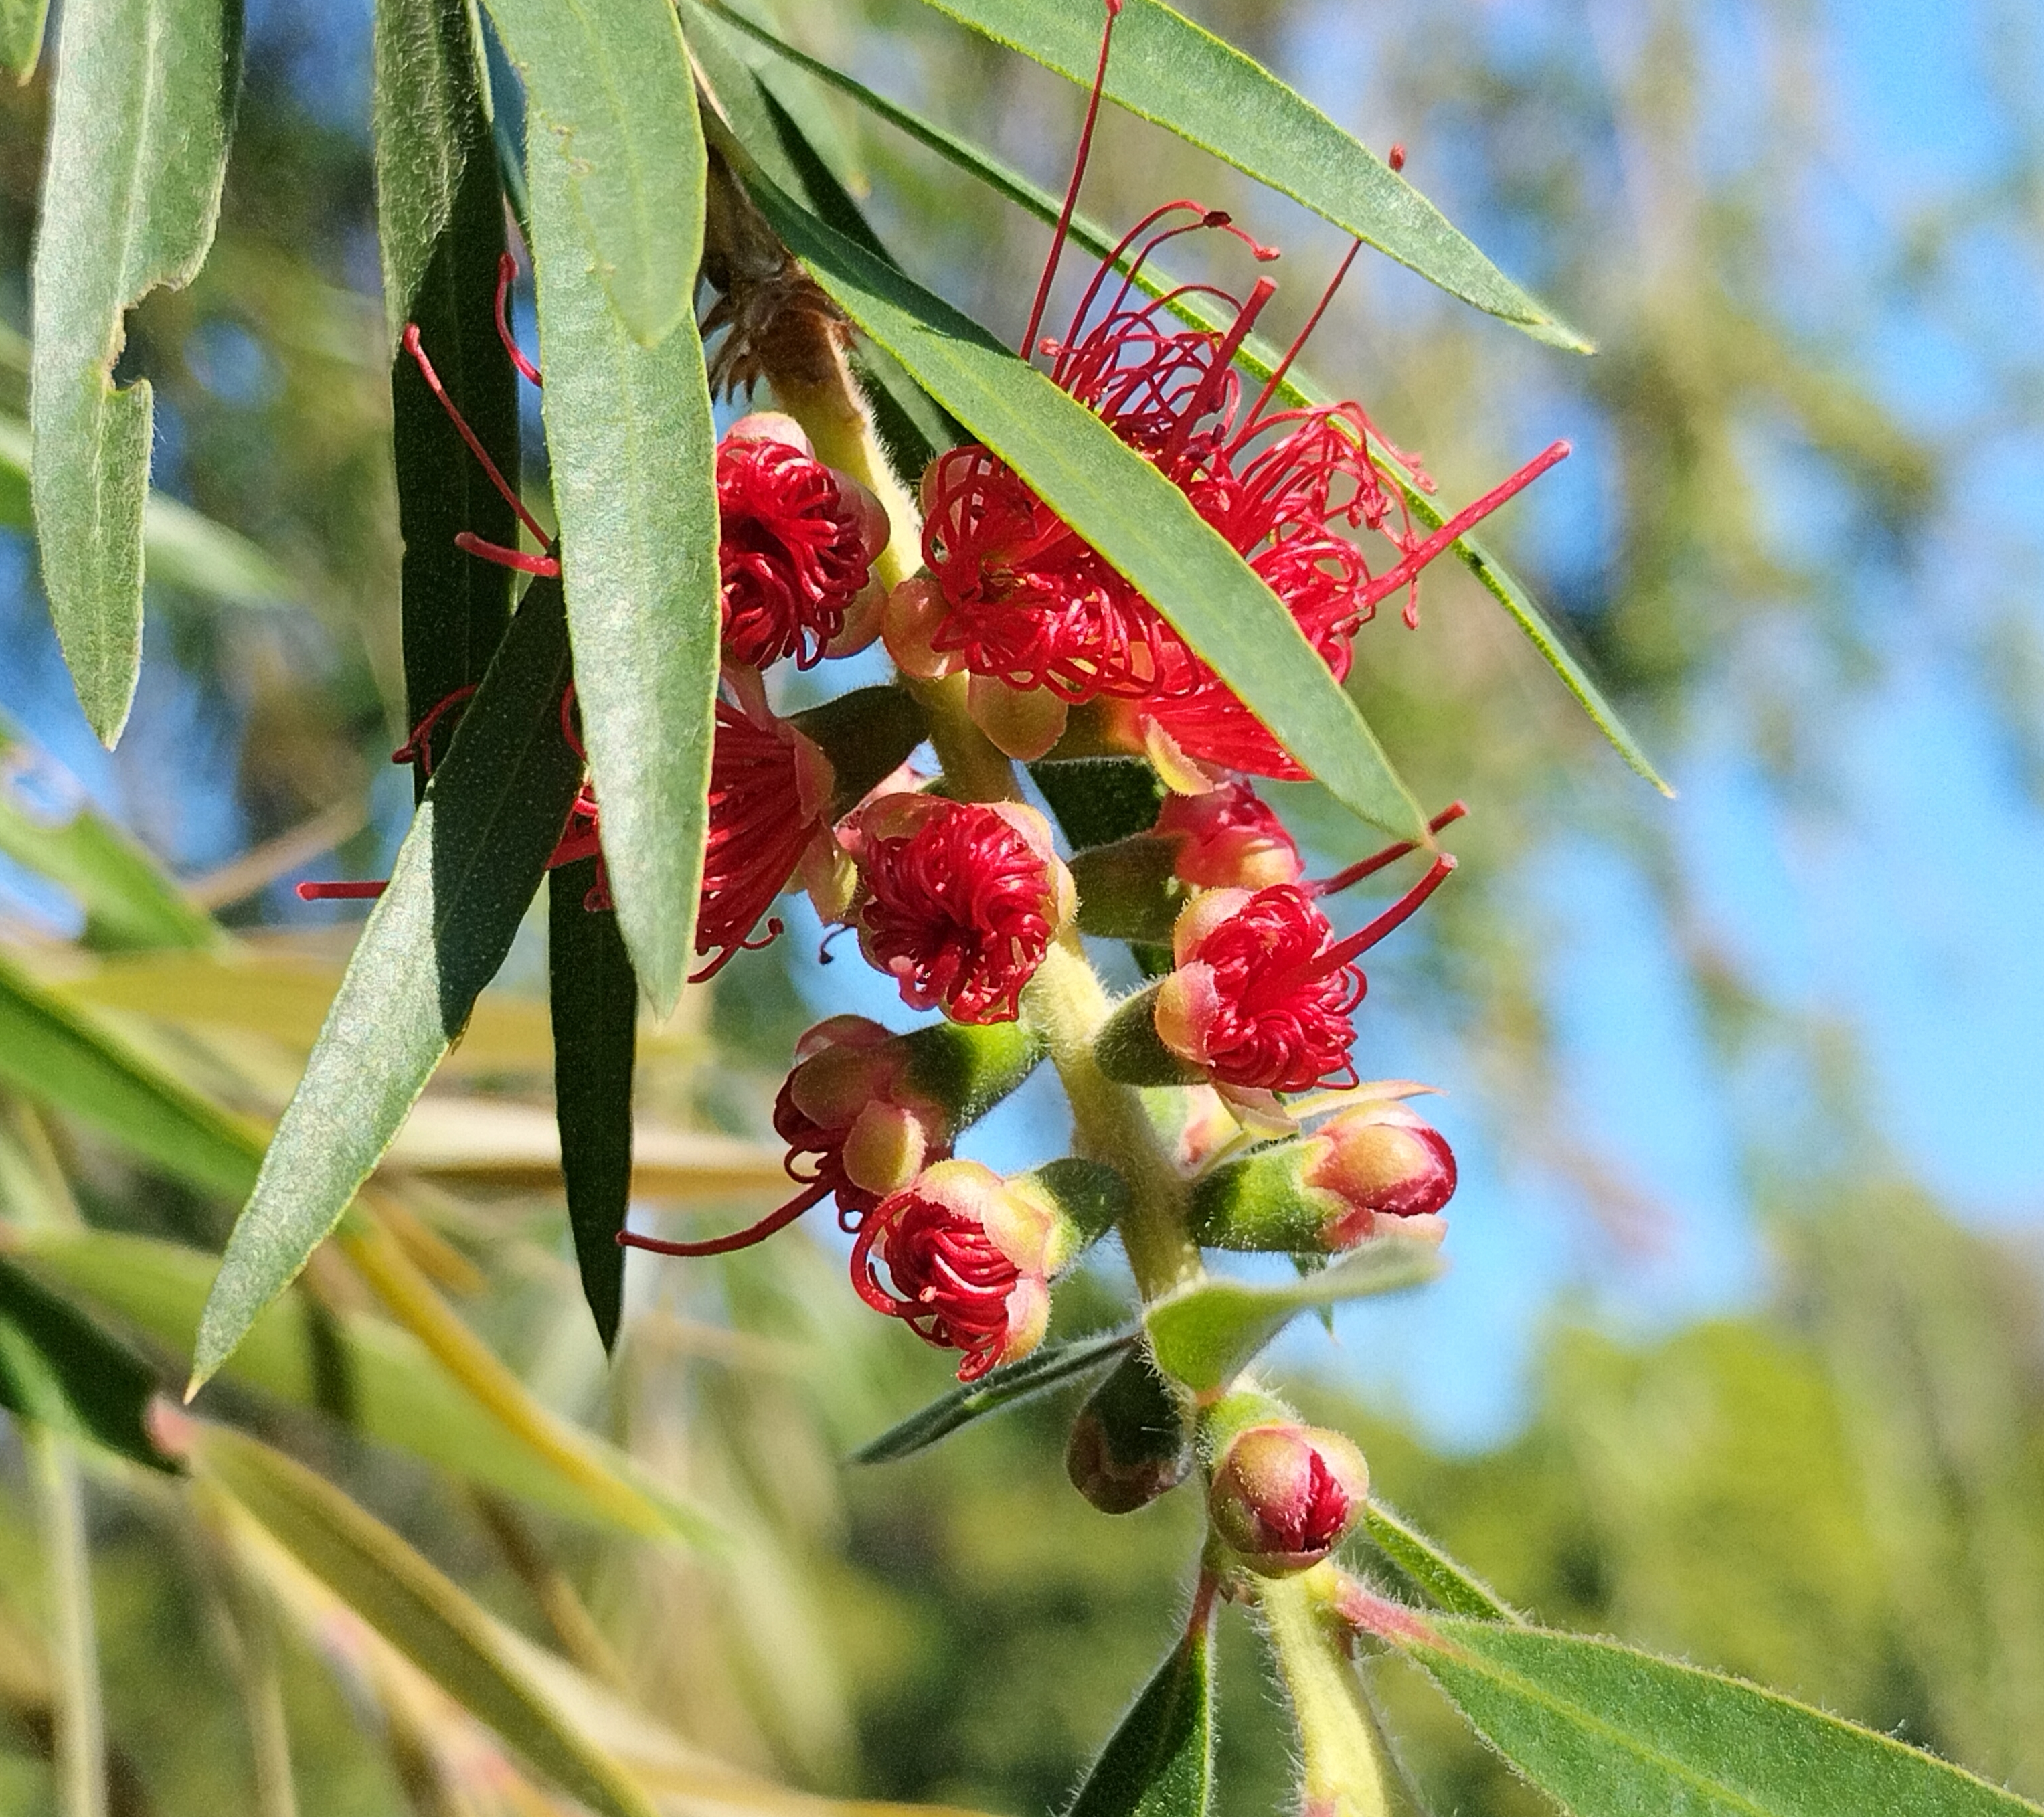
<point x="632" y="446"/>
<point x="1159" y="1762"/>
<point x="56" y="1055"/>
<point x="1144" y="525"/>
<point x="1611" y="1732"/>
<point x="440" y="225"/>
<point x="611" y="86"/>
<point x="595" y="1000"/>
<point x="60" y="1369"/>
<point x="1037" y="1373"/>
<point x="1203" y="1334"/>
<point x="462" y="882"/>
<point x="1167" y="69"/>
<point x="424" y="1614"/>
<point x="139" y="126"/>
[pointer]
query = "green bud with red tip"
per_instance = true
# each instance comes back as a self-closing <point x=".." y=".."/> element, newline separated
<point x="1281" y="1495"/>
<point x="1129" y="1444"/>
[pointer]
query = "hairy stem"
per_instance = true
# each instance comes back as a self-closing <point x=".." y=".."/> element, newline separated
<point x="1345" y="1769"/>
<point x="80" y="1744"/>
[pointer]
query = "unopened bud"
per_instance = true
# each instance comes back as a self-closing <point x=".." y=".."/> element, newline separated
<point x="1284" y="1494"/>
<point x="1129" y="1444"/>
<point x="1228" y="839"/>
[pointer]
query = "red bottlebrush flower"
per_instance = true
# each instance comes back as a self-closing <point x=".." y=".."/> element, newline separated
<point x="770" y="795"/>
<point x="796" y="545"/>
<point x="1283" y="1495"/>
<point x="960" y="900"/>
<point x="970" y="1259"/>
<point x="1260" y="994"/>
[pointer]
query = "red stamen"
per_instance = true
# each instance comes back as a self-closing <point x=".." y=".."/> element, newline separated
<point x="471" y="544"/>
<point x="432" y="378"/>
<point x="418" y="748"/>
<point x="1391" y="854"/>
<point x="774" y="1220"/>
<point x="1207" y="396"/>
<point x="507" y="270"/>
<point x="1457" y="526"/>
<point x="1292" y="352"/>
<point x="1072" y="188"/>
<point x="340" y="892"/>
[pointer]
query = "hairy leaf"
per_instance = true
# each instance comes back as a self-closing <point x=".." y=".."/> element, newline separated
<point x="143" y="105"/>
<point x="634" y="454"/>
<point x="424" y="1614"/>
<point x="1610" y="1732"/>
<point x="1454" y="1587"/>
<point x="1203" y="1334"/>
<point x="56" y="1055"/>
<point x="1167" y="69"/>
<point x="59" y="1369"/>
<point x="610" y="85"/>
<point x="1048" y="1368"/>
<point x="1139" y="522"/>
<point x="463" y="878"/>
<point x="595" y="1000"/>
<point x="1159" y="1761"/>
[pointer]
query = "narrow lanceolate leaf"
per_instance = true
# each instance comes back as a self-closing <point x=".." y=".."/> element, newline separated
<point x="441" y="217"/>
<point x="1048" y="1368"/>
<point x="1203" y="1334"/>
<point x="634" y="455"/>
<point x="1257" y="355"/>
<point x="1167" y="69"/>
<point x="60" y="1369"/>
<point x="595" y="1000"/>
<point x="22" y="35"/>
<point x="610" y="85"/>
<point x="1160" y="1762"/>
<point x="463" y="878"/>
<point x="138" y="138"/>
<point x="129" y="903"/>
<point x="1144" y="525"/>
<point x="424" y="1614"/>
<point x="54" y="1055"/>
<point x="1454" y="1587"/>
<point x="1611" y="1732"/>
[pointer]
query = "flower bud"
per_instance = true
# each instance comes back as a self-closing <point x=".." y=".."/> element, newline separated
<point x="969" y="1255"/>
<point x="1325" y="1192"/>
<point x="1284" y="1494"/>
<point x="1128" y="1445"/>
<point x="1227" y="838"/>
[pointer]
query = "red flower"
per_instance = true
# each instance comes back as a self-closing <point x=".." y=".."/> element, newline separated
<point x="796" y="545"/>
<point x="970" y="1261"/>
<point x="770" y="795"/>
<point x="961" y="900"/>
<point x="852" y="1126"/>
<point x="1260" y="994"/>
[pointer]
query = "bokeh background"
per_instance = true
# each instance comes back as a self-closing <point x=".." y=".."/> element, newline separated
<point x="1740" y="1354"/>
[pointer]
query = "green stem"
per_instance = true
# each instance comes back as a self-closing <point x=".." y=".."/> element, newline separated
<point x="1067" y="1002"/>
<point x="80" y="1744"/>
<point x="1345" y="1769"/>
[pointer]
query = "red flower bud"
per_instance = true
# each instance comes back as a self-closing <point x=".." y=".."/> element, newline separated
<point x="1284" y="1494"/>
<point x="961" y="901"/>
<point x="1229" y="839"/>
<point x="1380" y="1161"/>
<point x="796" y="548"/>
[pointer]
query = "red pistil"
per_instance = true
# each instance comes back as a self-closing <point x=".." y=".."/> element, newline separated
<point x="1072" y="188"/>
<point x="1391" y="854"/>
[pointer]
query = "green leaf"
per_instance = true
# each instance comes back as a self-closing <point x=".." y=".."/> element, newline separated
<point x="463" y="879"/>
<point x="1159" y="1762"/>
<point x="180" y="548"/>
<point x="634" y="453"/>
<point x="59" y="1369"/>
<point x="22" y="35"/>
<point x="611" y="86"/>
<point x="56" y="1055"/>
<point x="1257" y="355"/>
<point x="129" y="903"/>
<point x="1144" y="525"/>
<point x="394" y="1391"/>
<point x="424" y="1614"/>
<point x="1167" y="69"/>
<point x="1037" y="1373"/>
<point x="1611" y="1732"/>
<point x="595" y="1000"/>
<point x="1454" y="1587"/>
<point x="440" y="220"/>
<point x="1203" y="1334"/>
<point x="137" y="147"/>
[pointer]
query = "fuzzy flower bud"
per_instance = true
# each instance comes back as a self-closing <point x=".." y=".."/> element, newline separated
<point x="1325" y="1192"/>
<point x="970" y="1256"/>
<point x="1128" y="1445"/>
<point x="1228" y="839"/>
<point x="1284" y="1494"/>
<point x="960" y="901"/>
